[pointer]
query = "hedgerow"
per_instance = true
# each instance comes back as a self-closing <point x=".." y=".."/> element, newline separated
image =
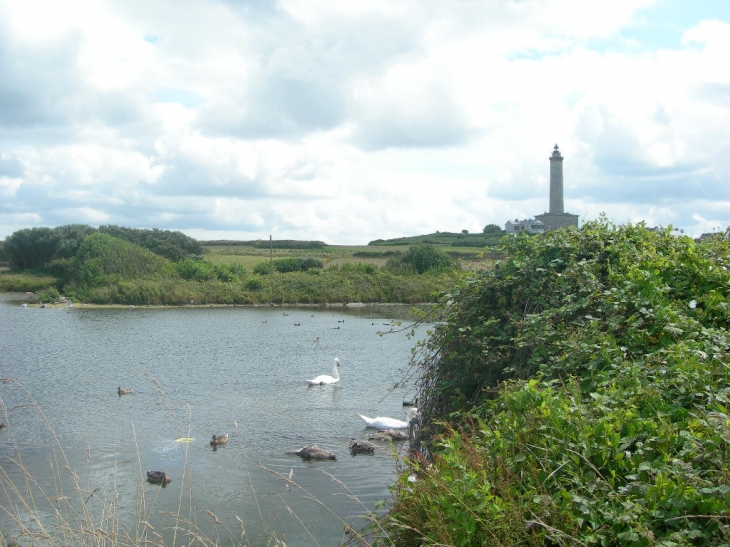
<point x="577" y="394"/>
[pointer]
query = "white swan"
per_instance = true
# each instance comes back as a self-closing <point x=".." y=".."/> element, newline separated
<point x="326" y="378"/>
<point x="411" y="412"/>
<point x="382" y="422"/>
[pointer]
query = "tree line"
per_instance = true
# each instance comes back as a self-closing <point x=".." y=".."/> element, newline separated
<point x="36" y="248"/>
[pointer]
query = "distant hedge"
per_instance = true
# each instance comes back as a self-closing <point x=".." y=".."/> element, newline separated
<point x="266" y="244"/>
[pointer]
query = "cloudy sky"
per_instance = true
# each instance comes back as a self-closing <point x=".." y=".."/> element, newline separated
<point x="351" y="121"/>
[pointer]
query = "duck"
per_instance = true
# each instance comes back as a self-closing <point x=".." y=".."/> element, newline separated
<point x="388" y="434"/>
<point x="313" y="452"/>
<point x="219" y="439"/>
<point x="323" y="379"/>
<point x="361" y="447"/>
<point x="383" y="422"/>
<point x="124" y="391"/>
<point x="158" y="477"/>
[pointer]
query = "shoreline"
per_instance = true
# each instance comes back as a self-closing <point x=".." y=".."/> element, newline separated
<point x="23" y="298"/>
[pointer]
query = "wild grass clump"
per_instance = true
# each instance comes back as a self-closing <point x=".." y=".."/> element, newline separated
<point x="25" y="282"/>
<point x="577" y="394"/>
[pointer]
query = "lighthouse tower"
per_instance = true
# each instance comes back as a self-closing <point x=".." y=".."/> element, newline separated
<point x="556" y="182"/>
<point x="557" y="217"/>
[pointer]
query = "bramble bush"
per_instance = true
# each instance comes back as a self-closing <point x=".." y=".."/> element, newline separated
<point x="577" y="394"/>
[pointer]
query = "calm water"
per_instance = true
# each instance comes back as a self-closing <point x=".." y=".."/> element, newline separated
<point x="195" y="372"/>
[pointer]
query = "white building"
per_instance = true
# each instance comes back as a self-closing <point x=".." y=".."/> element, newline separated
<point x="529" y="225"/>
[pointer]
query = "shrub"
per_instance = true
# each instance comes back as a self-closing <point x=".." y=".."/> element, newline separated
<point x="310" y="262"/>
<point x="49" y="295"/>
<point x="102" y="259"/>
<point x="577" y="394"/>
<point x="196" y="270"/>
<point x="422" y="259"/>
<point x="254" y="283"/>
<point x="263" y="268"/>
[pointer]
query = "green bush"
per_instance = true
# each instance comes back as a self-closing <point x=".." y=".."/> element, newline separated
<point x="577" y="394"/>
<point x="287" y="265"/>
<point x="103" y="259"/>
<point x="421" y="259"/>
<point x="49" y="295"/>
<point x="196" y="270"/>
<point x="263" y="268"/>
<point x="310" y="262"/>
<point x="229" y="273"/>
<point x="254" y="283"/>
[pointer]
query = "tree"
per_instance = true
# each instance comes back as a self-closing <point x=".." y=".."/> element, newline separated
<point x="492" y="229"/>
<point x="31" y="248"/>
<point x="69" y="239"/>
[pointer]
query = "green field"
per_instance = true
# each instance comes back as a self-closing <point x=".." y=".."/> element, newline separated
<point x="248" y="255"/>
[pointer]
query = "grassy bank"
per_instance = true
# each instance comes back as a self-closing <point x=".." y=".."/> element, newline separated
<point x="25" y="282"/>
<point x="282" y="289"/>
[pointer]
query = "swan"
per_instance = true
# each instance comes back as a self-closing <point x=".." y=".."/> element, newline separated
<point x="382" y="422"/>
<point x="326" y="378"/>
<point x="411" y="412"/>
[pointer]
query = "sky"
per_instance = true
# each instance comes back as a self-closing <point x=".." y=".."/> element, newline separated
<point x="346" y="122"/>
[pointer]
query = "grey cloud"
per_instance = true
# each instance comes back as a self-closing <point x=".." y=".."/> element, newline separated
<point x="10" y="166"/>
<point x="276" y="107"/>
<point x="188" y="177"/>
<point x="42" y="95"/>
<point x="441" y="124"/>
<point x="658" y="186"/>
<point x="37" y="85"/>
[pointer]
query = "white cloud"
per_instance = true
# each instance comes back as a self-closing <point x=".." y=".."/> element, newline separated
<point x="348" y="122"/>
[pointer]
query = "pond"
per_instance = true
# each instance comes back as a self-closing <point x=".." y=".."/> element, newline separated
<point x="80" y="450"/>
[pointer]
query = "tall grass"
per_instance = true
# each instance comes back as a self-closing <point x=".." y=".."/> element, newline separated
<point x="67" y="509"/>
<point x="15" y="282"/>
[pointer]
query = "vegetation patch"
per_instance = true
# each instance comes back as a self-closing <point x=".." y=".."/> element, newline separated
<point x="577" y="394"/>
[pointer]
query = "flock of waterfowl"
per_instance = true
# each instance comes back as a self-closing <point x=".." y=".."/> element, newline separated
<point x="389" y="430"/>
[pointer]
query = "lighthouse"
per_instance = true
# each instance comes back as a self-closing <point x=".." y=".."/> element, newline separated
<point x="556" y="182"/>
<point x="557" y="217"/>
